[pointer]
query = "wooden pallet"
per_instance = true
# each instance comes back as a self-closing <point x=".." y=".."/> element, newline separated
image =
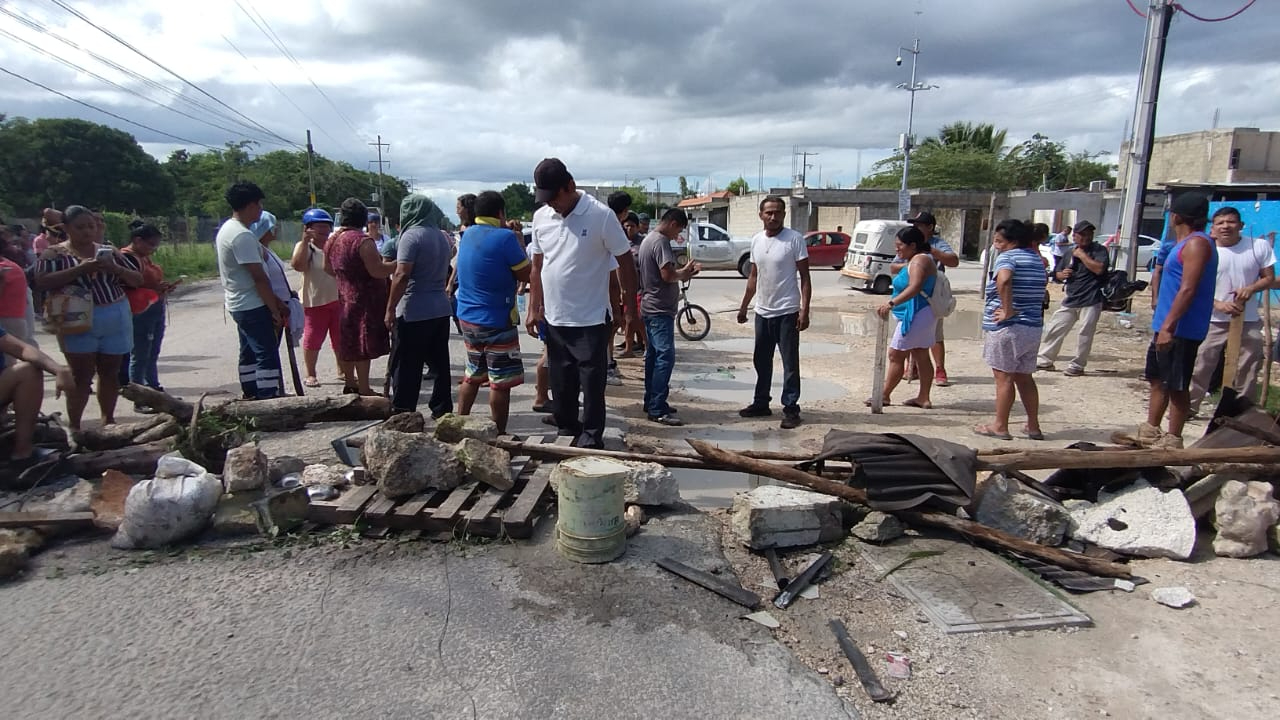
<point x="473" y="508"/>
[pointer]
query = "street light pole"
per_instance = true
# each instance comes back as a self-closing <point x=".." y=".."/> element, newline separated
<point x="904" y="198"/>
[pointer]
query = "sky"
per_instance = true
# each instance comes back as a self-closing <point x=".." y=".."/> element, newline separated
<point x="471" y="95"/>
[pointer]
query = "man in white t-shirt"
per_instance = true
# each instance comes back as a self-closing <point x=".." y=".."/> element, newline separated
<point x="252" y="304"/>
<point x="780" y="283"/>
<point x="1246" y="267"/>
<point x="577" y="242"/>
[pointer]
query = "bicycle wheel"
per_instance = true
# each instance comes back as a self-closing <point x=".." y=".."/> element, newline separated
<point x="693" y="322"/>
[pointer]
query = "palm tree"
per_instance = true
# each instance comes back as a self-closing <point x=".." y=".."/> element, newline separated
<point x="982" y="137"/>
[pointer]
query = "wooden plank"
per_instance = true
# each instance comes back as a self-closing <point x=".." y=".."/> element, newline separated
<point x="59" y="519"/>
<point x="720" y="586"/>
<point x="406" y="514"/>
<point x="517" y="521"/>
<point x="448" y="510"/>
<point x="378" y="509"/>
<point x="343" y="511"/>
<point x="563" y="440"/>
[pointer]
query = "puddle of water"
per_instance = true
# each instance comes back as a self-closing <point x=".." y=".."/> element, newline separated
<point x="733" y="384"/>
<point x="961" y="324"/>
<point x="747" y="345"/>
<point x="705" y="489"/>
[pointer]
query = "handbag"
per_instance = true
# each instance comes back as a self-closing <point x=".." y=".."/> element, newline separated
<point x="69" y="311"/>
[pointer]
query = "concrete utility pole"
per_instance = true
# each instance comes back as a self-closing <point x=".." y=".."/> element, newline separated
<point x="904" y="197"/>
<point x="804" y="167"/>
<point x="1159" y="15"/>
<point x="311" y="178"/>
<point x="381" y="162"/>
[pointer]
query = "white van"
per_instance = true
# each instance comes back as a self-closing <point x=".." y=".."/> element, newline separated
<point x="866" y="266"/>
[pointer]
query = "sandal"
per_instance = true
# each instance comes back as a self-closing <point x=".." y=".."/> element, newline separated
<point x="917" y="404"/>
<point x="986" y="431"/>
<point x="350" y="390"/>
<point x="883" y="403"/>
<point x="311" y="382"/>
<point x="1037" y="435"/>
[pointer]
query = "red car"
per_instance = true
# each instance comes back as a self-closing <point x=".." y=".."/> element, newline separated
<point x="827" y="248"/>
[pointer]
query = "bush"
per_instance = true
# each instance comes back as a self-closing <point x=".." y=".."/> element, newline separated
<point x="200" y="260"/>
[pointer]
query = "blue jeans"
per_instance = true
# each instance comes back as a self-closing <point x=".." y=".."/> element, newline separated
<point x="659" y="361"/>
<point x="779" y="332"/>
<point x="139" y="367"/>
<point x="259" y="353"/>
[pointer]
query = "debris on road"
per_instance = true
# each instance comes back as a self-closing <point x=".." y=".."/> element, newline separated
<point x="866" y="675"/>
<point x="771" y="516"/>
<point x="720" y="586"/>
<point x="1139" y="520"/>
<point x="878" y="527"/>
<point x="633" y="518"/>
<point x="1004" y="505"/>
<point x="764" y="618"/>
<point x="650" y="484"/>
<point x="245" y="469"/>
<point x="801" y="582"/>
<point x="1174" y="597"/>
<point x="405" y="464"/>
<point x="1243" y="514"/>
<point x="452" y="428"/>
<point x="166" y="510"/>
<point x="899" y="666"/>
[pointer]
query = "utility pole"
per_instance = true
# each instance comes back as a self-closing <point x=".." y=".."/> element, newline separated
<point x="760" y="177"/>
<point x="311" y="178"/>
<point x="1159" y="15"/>
<point x="381" y="162"/>
<point x="907" y="142"/>
<point x="804" y="166"/>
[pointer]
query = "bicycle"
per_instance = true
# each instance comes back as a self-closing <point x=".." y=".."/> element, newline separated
<point x="693" y="321"/>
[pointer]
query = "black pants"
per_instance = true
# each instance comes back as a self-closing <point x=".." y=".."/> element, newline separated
<point x="419" y="343"/>
<point x="780" y="333"/>
<point x="577" y="358"/>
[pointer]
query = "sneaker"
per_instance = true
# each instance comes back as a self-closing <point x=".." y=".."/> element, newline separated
<point x="666" y="420"/>
<point x="790" y="420"/>
<point x="1148" y="435"/>
<point x="612" y="377"/>
<point x="1045" y="366"/>
<point x="755" y="411"/>
<point x="940" y="379"/>
<point x="1073" y="371"/>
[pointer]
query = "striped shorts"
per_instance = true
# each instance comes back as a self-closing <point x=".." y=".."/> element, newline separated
<point x="493" y="355"/>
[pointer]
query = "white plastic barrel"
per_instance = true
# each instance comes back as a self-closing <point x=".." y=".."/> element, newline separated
<point x="590" y="528"/>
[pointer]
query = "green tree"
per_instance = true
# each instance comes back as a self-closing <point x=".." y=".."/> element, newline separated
<point x="685" y="190"/>
<point x="1084" y="167"/>
<point x="738" y="186"/>
<point x="59" y="162"/>
<point x="519" y="200"/>
<point x="941" y="167"/>
<point x="980" y="137"/>
<point x="1037" y="164"/>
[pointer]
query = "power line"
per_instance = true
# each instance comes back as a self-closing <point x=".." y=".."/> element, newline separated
<point x="283" y="94"/>
<point x="160" y="65"/>
<point x="247" y="131"/>
<point x="105" y="112"/>
<point x="1224" y="18"/>
<point x="265" y="28"/>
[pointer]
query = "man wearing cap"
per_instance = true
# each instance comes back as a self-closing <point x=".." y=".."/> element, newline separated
<point x="945" y="256"/>
<point x="1180" y="322"/>
<point x="1084" y="271"/>
<point x="374" y="230"/>
<point x="577" y="242"/>
<point x="1245" y="269"/>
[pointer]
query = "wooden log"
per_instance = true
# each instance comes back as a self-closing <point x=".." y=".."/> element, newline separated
<point x="1257" y="470"/>
<point x="169" y="428"/>
<point x="45" y="519"/>
<point x="158" y="400"/>
<point x="1124" y="458"/>
<point x="292" y="413"/>
<point x="562" y="452"/>
<point x="112" y="437"/>
<point x="1266" y="435"/>
<point x="972" y="530"/>
<point x="135" y="459"/>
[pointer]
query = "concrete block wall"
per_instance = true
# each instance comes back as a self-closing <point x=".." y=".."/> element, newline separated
<point x="832" y="216"/>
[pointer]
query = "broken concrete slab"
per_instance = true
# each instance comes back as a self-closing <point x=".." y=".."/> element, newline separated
<point x="76" y="499"/>
<point x="632" y="519"/>
<point x="451" y="428"/>
<point x="1004" y="504"/>
<point x="278" y="467"/>
<point x="406" y="422"/>
<point x="486" y="463"/>
<point x="405" y="464"/>
<point x="1174" y="597"/>
<point x="281" y="511"/>
<point x="235" y="516"/>
<point x="650" y="484"/>
<point x="878" y="527"/>
<point x="773" y="516"/>
<point x="1138" y="520"/>
<point x="245" y="469"/>
<point x="1243" y="514"/>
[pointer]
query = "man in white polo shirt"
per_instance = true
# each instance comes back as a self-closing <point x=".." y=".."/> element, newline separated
<point x="779" y="282"/>
<point x="577" y="242"/>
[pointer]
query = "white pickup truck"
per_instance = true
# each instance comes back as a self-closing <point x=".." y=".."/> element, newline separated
<point x="714" y="247"/>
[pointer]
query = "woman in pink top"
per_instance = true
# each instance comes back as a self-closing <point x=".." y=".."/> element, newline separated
<point x="15" y="293"/>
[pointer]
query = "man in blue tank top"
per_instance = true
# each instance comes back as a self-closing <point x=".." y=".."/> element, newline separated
<point x="1181" y="321"/>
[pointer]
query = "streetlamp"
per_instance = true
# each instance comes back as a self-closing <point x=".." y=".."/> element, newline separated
<point x="904" y="198"/>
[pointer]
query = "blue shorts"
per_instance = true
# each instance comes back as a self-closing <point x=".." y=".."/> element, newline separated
<point x="111" y="334"/>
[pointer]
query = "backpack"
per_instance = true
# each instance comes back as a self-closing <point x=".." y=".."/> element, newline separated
<point x="942" y="300"/>
<point x="1117" y="289"/>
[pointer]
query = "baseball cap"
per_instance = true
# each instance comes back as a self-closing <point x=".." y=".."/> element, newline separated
<point x="1191" y="206"/>
<point x="548" y="178"/>
<point x="923" y="217"/>
<point x="1084" y="226"/>
<point x="374" y="217"/>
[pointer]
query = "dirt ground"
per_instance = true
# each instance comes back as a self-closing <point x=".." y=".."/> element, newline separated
<point x="1140" y="660"/>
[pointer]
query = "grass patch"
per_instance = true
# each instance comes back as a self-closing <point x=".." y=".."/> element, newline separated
<point x="199" y="261"/>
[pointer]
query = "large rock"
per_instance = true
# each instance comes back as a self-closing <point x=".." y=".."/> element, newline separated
<point x="283" y="465"/>
<point x="406" y="422"/>
<point x="452" y="428"/>
<point x="405" y="464"/>
<point x="1005" y="505"/>
<point x="650" y="484"/>
<point x="1243" y="514"/>
<point x="878" y="527"/>
<point x="331" y="475"/>
<point x="486" y="463"/>
<point x="773" y="516"/>
<point x="246" y="469"/>
<point x="1138" y="520"/>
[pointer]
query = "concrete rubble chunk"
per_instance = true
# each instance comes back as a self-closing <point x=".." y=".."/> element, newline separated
<point x="29" y="539"/>
<point x="1138" y="520"/>
<point x="405" y="464"/>
<point x="878" y="527"/>
<point x="406" y="422"/>
<point x="281" y="511"/>
<point x="235" y="516"/>
<point x="333" y="475"/>
<point x="773" y="516"/>
<point x="1174" y="597"/>
<point x="452" y="428"/>
<point x="1243" y="514"/>
<point x="13" y="559"/>
<point x="283" y="465"/>
<point x="486" y="463"/>
<point x="1005" y="505"/>
<point x="246" y="469"/>
<point x="108" y="499"/>
<point x="650" y="484"/>
<point x="633" y="518"/>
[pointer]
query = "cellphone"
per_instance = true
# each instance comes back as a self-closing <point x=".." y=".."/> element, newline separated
<point x="104" y="254"/>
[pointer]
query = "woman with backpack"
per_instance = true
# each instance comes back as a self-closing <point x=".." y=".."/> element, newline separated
<point x="912" y="288"/>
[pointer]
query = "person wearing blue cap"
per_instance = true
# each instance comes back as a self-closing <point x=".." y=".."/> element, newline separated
<point x="374" y="230"/>
<point x="319" y="295"/>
